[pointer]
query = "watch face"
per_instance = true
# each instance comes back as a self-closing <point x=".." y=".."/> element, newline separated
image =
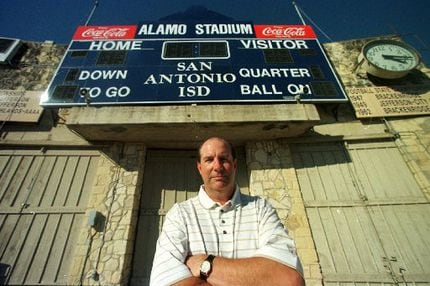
<point x="205" y="267"/>
<point x="391" y="55"/>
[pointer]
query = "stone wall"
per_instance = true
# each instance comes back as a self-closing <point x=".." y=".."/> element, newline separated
<point x="272" y="175"/>
<point x="104" y="253"/>
<point x="32" y="70"/>
<point x="33" y="67"/>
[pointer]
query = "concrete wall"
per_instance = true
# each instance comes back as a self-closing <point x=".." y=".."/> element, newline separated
<point x="34" y="67"/>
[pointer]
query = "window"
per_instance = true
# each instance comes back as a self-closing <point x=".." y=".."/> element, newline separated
<point x="8" y="49"/>
<point x="195" y="50"/>
<point x="111" y="58"/>
<point x="5" y="44"/>
<point x="277" y="56"/>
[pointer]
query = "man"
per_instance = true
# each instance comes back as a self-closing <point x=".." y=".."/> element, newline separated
<point x="222" y="237"/>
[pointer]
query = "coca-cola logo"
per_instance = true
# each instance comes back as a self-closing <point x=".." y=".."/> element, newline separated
<point x="105" y="32"/>
<point x="284" y="32"/>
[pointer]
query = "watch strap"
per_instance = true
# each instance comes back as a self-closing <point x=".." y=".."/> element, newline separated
<point x="205" y="275"/>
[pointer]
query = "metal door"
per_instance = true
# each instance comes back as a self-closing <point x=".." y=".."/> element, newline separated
<point x="367" y="214"/>
<point x="42" y="203"/>
<point x="169" y="177"/>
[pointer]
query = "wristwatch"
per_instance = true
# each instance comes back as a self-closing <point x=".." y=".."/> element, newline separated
<point x="206" y="267"/>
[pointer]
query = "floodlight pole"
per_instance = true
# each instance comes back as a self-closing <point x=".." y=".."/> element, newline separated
<point x="298" y="12"/>
<point x="96" y="3"/>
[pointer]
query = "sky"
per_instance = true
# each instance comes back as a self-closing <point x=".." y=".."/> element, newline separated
<point x="332" y="20"/>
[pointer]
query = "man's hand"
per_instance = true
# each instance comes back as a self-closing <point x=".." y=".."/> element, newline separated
<point x="193" y="262"/>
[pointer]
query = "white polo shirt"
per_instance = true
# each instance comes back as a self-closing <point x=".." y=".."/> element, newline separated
<point x="243" y="227"/>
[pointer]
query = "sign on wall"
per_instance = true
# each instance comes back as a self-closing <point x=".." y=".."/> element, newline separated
<point x="156" y="63"/>
<point x="384" y="101"/>
<point x="20" y="106"/>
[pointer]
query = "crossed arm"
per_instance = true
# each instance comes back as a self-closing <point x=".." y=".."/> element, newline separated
<point x="245" y="271"/>
<point x="172" y="264"/>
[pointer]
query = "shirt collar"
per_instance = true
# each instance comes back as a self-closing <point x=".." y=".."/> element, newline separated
<point x="208" y="203"/>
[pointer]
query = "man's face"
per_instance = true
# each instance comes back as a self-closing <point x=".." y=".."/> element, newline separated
<point x="217" y="166"/>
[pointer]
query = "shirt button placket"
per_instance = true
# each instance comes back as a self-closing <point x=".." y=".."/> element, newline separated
<point x="226" y="230"/>
<point x="222" y="221"/>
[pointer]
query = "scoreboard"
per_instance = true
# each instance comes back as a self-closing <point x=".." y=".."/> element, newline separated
<point x="191" y="62"/>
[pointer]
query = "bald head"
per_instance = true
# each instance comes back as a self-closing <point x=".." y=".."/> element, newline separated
<point x="227" y="144"/>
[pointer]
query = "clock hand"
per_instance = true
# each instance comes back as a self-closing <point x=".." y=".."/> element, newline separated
<point x="401" y="59"/>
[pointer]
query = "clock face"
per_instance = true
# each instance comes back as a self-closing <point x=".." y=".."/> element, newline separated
<point x="391" y="55"/>
<point x="205" y="267"/>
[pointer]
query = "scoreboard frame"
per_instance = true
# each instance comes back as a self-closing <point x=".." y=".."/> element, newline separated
<point x="193" y="63"/>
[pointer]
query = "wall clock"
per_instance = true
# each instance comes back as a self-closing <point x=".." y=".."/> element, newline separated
<point x="389" y="59"/>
